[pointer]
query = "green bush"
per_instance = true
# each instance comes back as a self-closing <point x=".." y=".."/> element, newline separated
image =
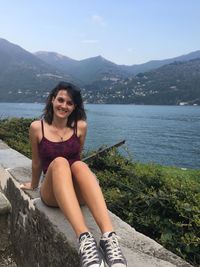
<point x="14" y="132"/>
<point x="161" y="202"/>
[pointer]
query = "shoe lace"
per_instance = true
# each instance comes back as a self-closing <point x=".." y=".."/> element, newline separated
<point x="113" y="249"/>
<point x="88" y="250"/>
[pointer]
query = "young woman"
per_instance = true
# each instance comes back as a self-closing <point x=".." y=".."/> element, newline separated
<point x="57" y="141"/>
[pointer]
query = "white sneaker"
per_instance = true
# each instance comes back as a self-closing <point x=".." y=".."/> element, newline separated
<point x="111" y="250"/>
<point x="88" y="251"/>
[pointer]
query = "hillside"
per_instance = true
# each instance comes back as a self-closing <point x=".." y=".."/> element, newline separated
<point x="84" y="71"/>
<point x="154" y="64"/>
<point x="171" y="84"/>
<point x="92" y="69"/>
<point x="23" y="75"/>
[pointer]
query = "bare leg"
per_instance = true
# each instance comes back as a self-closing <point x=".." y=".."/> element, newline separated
<point x="58" y="190"/>
<point x="92" y="195"/>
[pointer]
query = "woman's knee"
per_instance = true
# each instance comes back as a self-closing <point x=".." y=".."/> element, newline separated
<point x="79" y="168"/>
<point x="59" y="162"/>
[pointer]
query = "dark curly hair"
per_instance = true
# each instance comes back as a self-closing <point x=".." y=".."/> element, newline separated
<point x="75" y="94"/>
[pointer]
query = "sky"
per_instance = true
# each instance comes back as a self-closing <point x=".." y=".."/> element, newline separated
<point x="125" y="32"/>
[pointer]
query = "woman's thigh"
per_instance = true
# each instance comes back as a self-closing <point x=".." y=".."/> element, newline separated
<point x="46" y="190"/>
<point x="82" y="173"/>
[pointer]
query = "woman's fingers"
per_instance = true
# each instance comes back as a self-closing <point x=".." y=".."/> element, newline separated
<point x="26" y="185"/>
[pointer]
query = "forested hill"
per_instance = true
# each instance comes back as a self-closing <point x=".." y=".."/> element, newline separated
<point x="171" y="84"/>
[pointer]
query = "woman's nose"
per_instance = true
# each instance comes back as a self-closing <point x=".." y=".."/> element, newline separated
<point x="64" y="105"/>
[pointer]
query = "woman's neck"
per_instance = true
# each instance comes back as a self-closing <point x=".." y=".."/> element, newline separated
<point x="59" y="124"/>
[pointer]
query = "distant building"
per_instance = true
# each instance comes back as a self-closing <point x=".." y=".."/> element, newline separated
<point x="183" y="103"/>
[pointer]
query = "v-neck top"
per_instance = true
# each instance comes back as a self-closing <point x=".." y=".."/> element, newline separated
<point x="49" y="150"/>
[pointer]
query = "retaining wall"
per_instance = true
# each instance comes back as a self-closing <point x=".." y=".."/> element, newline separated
<point x="42" y="237"/>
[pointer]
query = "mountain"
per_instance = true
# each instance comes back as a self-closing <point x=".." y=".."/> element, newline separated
<point x="58" y="61"/>
<point x="92" y="69"/>
<point x="172" y="84"/>
<point x="22" y="74"/>
<point x="154" y="64"/>
<point x="84" y="71"/>
<point x="28" y="77"/>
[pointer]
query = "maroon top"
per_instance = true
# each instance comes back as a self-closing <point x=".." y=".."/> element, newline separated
<point x="49" y="150"/>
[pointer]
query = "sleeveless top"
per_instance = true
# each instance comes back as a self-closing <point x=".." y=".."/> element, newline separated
<point x="49" y="150"/>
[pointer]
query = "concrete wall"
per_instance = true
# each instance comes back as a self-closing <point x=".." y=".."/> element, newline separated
<point x="5" y="210"/>
<point x="42" y="237"/>
<point x="6" y="258"/>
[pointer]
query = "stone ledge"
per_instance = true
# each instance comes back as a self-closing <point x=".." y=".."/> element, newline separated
<point x="3" y="145"/>
<point x="5" y="210"/>
<point x="46" y="236"/>
<point x="5" y="207"/>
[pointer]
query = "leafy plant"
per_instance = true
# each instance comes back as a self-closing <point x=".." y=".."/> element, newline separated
<point x="161" y="202"/>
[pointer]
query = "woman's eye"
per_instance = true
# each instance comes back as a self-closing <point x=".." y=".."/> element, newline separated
<point x="60" y="100"/>
<point x="69" y="103"/>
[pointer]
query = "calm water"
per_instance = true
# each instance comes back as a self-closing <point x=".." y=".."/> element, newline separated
<point x="169" y="135"/>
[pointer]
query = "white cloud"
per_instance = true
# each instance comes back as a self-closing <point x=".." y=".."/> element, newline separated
<point x="99" y="20"/>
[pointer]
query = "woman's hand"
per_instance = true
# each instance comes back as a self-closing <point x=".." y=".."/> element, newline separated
<point x="27" y="186"/>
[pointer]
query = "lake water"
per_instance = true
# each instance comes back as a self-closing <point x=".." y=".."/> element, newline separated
<point x="168" y="135"/>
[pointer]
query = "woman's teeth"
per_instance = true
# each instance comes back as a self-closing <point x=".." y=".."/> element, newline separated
<point x="62" y="110"/>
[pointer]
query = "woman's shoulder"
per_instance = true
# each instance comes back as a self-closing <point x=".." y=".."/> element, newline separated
<point x="35" y="126"/>
<point x="81" y="128"/>
<point x="81" y="124"/>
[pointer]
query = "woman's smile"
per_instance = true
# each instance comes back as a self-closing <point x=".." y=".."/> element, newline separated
<point x="62" y="110"/>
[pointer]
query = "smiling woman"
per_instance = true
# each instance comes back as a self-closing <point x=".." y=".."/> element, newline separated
<point x="57" y="142"/>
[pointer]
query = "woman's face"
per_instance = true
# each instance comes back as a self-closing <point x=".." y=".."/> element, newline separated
<point x="63" y="105"/>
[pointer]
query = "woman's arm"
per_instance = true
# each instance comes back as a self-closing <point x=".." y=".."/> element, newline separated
<point x="36" y="162"/>
<point x="81" y="132"/>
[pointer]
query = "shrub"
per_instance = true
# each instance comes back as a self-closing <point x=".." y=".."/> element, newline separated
<point x="161" y="202"/>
